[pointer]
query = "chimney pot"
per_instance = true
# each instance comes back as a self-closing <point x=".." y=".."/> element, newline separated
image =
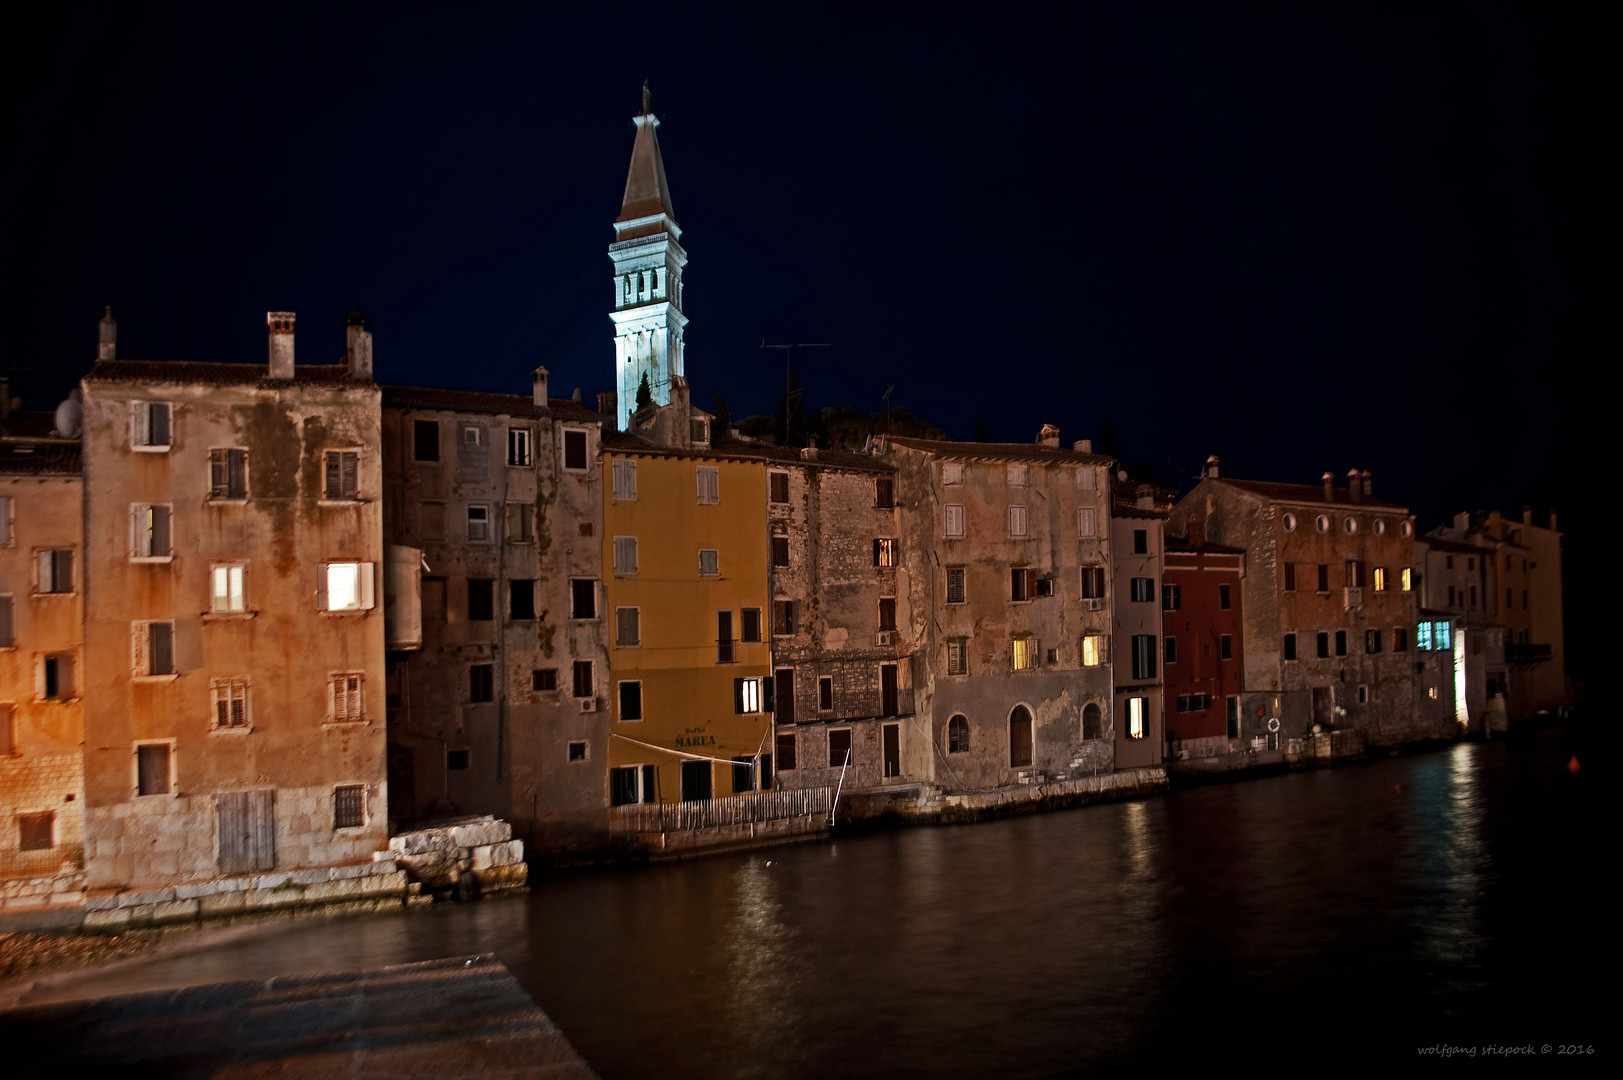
<point x="1049" y="436"/>
<point x="107" y="343"/>
<point x="607" y="402"/>
<point x="360" y="346"/>
<point x="1552" y="522"/>
<point x="1329" y="479"/>
<point x="280" y="327"/>
<point x="1527" y="515"/>
<point x="1354" y="490"/>
<point x="1211" y="466"/>
<point x="1368" y="480"/>
<point x="1083" y="446"/>
<point x="538" y="386"/>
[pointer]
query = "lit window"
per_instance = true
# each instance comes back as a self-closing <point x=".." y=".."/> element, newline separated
<point x="1025" y="654"/>
<point x="1136" y="709"/>
<point x="1380" y="579"/>
<point x="1093" y="650"/>
<point x="1442" y="635"/>
<point x="1422" y="635"/>
<point x="1406" y="579"/>
<point x="345" y="586"/>
<point x="884" y="552"/>
<point x="746" y="696"/>
<point x="227" y="592"/>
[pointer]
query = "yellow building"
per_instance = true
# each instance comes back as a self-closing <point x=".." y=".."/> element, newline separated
<point x="686" y="552"/>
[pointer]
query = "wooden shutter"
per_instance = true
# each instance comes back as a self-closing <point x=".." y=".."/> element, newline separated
<point x="350" y="469"/>
<point x="140" y="414"/>
<point x="368" y="585"/>
<point x="321" y="586"/>
<point x="247" y="838"/>
<point x="334" y="480"/>
<point x="6" y="631"/>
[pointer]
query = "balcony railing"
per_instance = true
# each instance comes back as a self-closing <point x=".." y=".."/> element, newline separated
<point x="757" y="806"/>
<point x="43" y="863"/>
<point x="1517" y="653"/>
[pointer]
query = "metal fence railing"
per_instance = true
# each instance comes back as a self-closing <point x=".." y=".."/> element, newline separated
<point x="46" y="862"/>
<point x="756" y="806"/>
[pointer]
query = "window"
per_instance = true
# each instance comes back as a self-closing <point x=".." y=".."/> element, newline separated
<point x="1169" y="651"/>
<point x="1194" y="702"/>
<point x="1233" y="716"/>
<point x="342" y="474"/>
<point x="1289" y="521"/>
<point x="1363" y="695"/>
<point x="349" y="806"/>
<point x="839" y="747"/>
<point x="8" y="633"/>
<point x="786" y="752"/>
<point x="1400" y="639"/>
<point x="1093" y="650"/>
<point x="749" y="624"/>
<point x="884" y="552"/>
<point x="150" y="531"/>
<point x="346" y="698"/>
<point x="228" y="474"/>
<point x="709" y="485"/>
<point x="783" y="617"/>
<point x="5" y="521"/>
<point x="1473" y="596"/>
<point x="472" y="436"/>
<point x="582" y="598"/>
<point x="56" y="675"/>
<point x="1022" y="583"/>
<point x="957" y="658"/>
<point x="1324" y="577"/>
<point x="825" y="693"/>
<point x="1351" y="525"/>
<point x="521" y="599"/>
<point x="1290" y="646"/>
<point x="583" y="685"/>
<point x="1322" y="523"/>
<point x="1137" y="710"/>
<point x="625" y="554"/>
<point x="1341" y="643"/>
<point x="574" y="450"/>
<point x="1524" y="599"/>
<point x="724" y="637"/>
<point x="518" y="446"/>
<point x="952" y="472"/>
<point x="631" y="700"/>
<point x="630" y="784"/>
<point x="698" y="431"/>
<point x="780" y="549"/>
<point x="479" y="524"/>
<point x="1093" y="583"/>
<point x="1084" y="478"/>
<point x="1355" y="574"/>
<point x="1422" y="638"/>
<point x="230" y="704"/>
<point x="1143" y="590"/>
<point x="149" y="425"/>
<point x="1290" y="577"/>
<point x="1451" y="596"/>
<point x="1025" y="654"/>
<point x="481" y="683"/>
<point x="884" y="492"/>
<point x="1017" y="475"/>
<point x="457" y="760"/>
<point x="709" y="562"/>
<point x="958" y="735"/>
<point x="1017" y="522"/>
<point x="1141" y="542"/>
<point x="887" y="613"/>
<point x="955" y="585"/>
<point x="226" y="593"/>
<point x="154" y="648"/>
<point x="481" y="599"/>
<point x="743" y="774"/>
<point x="1224" y="597"/>
<point x="425" y="440"/>
<point x="625" y="480"/>
<point x="36" y="832"/>
<point x="1087" y="522"/>
<point x="1092" y="721"/>
<point x="1323" y="644"/>
<point x="1143" y="656"/>
<point x="577" y="750"/>
<point x="1372" y="641"/>
<point x="1442" y="635"/>
<point x="1225" y="647"/>
<point x="953" y="524"/>
<point x="520" y="517"/>
<point x="746" y="696"/>
<point x="1380" y="579"/>
<point x="1171" y="597"/>
<point x="627" y="627"/>
<point x="1405" y="579"/>
<point x="778" y="482"/>
<point x="1019" y="737"/>
<point x="154" y="768"/>
<point x="1470" y="562"/>
<point x="1045" y="586"/>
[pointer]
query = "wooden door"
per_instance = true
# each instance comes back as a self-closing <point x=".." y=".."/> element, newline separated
<point x="893" y="749"/>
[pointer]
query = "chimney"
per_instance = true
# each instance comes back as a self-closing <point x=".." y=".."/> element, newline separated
<point x="1211" y="466"/>
<point x="1552" y="522"/>
<point x="1049" y="436"/>
<point x="360" y="346"/>
<point x="1369" y="483"/>
<point x="280" y="324"/>
<point x="1462" y="522"/>
<point x="1355" y="485"/>
<point x="1196" y="533"/>
<point x="107" y="343"/>
<point x="1329" y="479"/>
<point x="538" y="386"/>
<point x="1083" y="446"/>
<point x="1527" y="515"/>
<point x="1146" y="498"/>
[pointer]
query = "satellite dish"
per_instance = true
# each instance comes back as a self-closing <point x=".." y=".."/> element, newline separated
<point x="70" y="417"/>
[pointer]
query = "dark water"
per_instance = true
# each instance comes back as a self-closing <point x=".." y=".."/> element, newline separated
<point x="1337" y="915"/>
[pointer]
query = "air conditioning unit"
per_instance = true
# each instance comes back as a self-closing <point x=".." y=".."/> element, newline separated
<point x="588" y="704"/>
<point x="1096" y="605"/>
<point x="885" y="637"/>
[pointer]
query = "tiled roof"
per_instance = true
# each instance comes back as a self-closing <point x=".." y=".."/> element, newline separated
<point x="194" y="372"/>
<point x="739" y="450"/>
<point x="1443" y="543"/>
<point x="1177" y="544"/>
<point x="31" y="424"/>
<point x="1305" y="493"/>
<point x="423" y="397"/>
<point x="1023" y="451"/>
<point x="58" y="457"/>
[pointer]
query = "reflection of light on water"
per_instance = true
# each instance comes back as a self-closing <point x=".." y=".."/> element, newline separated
<point x="756" y="946"/>
<point x="1455" y="859"/>
<point x="1137" y="829"/>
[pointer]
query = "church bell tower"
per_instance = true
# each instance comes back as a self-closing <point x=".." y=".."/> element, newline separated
<point x="648" y="262"/>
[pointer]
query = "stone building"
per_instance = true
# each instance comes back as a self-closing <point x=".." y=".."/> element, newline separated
<point x="1328" y="603"/>
<point x="841" y="654"/>
<point x="1202" y="645"/>
<point x="1138" y="514"/>
<point x="1453" y="582"/>
<point x="493" y="510"/>
<point x="1004" y="555"/>
<point x="41" y="667"/>
<point x="233" y="640"/>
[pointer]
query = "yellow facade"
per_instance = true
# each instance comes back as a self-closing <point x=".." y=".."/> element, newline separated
<point x="660" y="518"/>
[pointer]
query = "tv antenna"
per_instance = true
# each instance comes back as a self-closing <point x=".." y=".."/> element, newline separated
<point x="791" y="395"/>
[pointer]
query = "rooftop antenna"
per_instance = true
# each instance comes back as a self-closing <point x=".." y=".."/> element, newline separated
<point x="888" y="391"/>
<point x="791" y="396"/>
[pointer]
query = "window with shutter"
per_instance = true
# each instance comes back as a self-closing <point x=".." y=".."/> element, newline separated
<point x="884" y="552"/>
<point x="1087" y="521"/>
<point x="1084" y="478"/>
<point x="1017" y="521"/>
<point x="709" y="478"/>
<point x="783" y="617"/>
<point x="1019" y="737"/>
<point x="885" y="492"/>
<point x="955" y="585"/>
<point x="780" y="549"/>
<point x="954" y="524"/>
<point x="1017" y="475"/>
<point x="5" y="521"/>
<point x="952" y="472"/>
<point x="228" y="474"/>
<point x="7" y="631"/>
<point x="1143" y="656"/>
<point x="709" y="562"/>
<point x="150" y="425"/>
<point x="345" y="586"/>
<point x="8" y="735"/>
<point x="746" y="696"/>
<point x="625" y="480"/>
<point x="628" y="629"/>
<point x="230" y="704"/>
<point x="226" y="592"/>
<point x="625" y="554"/>
<point x="957" y="658"/>
<point x="36" y="832"/>
<point x="346" y="698"/>
<point x="749" y="625"/>
<point x="520" y="517"/>
<point x="1093" y="583"/>
<point x="151" y="529"/>
<point x="584" y="687"/>
<point x="887" y="613"/>
<point x="1025" y="654"/>
<point x="1093" y="650"/>
<point x="779" y="484"/>
<point x="343" y="469"/>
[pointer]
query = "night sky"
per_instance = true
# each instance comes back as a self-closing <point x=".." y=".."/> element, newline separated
<point x="1301" y="239"/>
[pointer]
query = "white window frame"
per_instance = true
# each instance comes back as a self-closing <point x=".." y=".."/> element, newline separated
<point x="484" y="532"/>
<point x="141" y="651"/>
<point x="222" y="571"/>
<point x="1019" y="523"/>
<point x="708" y="478"/>
<point x="1087" y="522"/>
<point x="354" y="712"/>
<point x="521" y="445"/>
<point x="230" y="689"/>
<point x="365" y="586"/>
<point x="952" y="524"/>
<point x="750" y="696"/>
<point x="43" y="559"/>
<point x="141" y="427"/>
<point x="642" y="702"/>
<point x="476" y="431"/>
<point x="141" y="533"/>
<point x="625" y="480"/>
<point x="715" y="562"/>
<point x="625" y="556"/>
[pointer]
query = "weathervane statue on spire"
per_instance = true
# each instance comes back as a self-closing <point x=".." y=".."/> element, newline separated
<point x="647" y="99"/>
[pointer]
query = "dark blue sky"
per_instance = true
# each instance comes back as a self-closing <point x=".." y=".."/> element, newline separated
<point x="1305" y="239"/>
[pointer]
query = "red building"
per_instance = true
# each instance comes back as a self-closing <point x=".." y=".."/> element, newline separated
<point x="1202" y="642"/>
